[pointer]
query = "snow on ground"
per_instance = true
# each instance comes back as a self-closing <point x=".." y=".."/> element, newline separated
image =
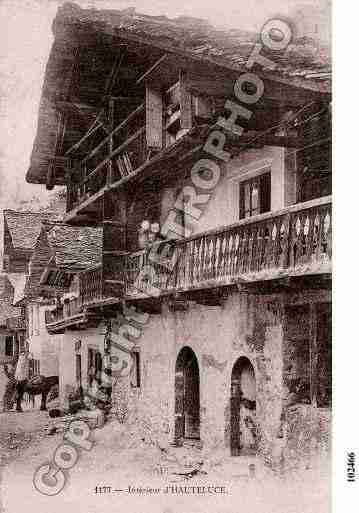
<point x="121" y="458"/>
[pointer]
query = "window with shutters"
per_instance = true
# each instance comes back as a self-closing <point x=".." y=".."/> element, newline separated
<point x="314" y="171"/>
<point x="255" y="196"/>
<point x="313" y="158"/>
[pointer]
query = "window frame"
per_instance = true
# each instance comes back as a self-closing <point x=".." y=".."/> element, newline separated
<point x="267" y="172"/>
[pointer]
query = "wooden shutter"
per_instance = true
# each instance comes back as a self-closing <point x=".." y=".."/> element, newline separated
<point x="154" y="116"/>
<point x="265" y="193"/>
<point x="185" y="102"/>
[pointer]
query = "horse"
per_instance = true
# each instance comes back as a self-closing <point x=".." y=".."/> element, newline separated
<point x="35" y="386"/>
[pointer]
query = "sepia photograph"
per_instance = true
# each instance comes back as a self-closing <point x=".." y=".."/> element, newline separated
<point x="166" y="257"/>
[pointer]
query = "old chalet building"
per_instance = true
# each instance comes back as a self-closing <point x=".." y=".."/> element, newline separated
<point x="236" y="352"/>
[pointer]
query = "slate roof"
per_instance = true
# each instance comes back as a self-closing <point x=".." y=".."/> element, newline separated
<point x="24" y="227"/>
<point x="75" y="248"/>
<point x="68" y="248"/>
<point x="198" y="38"/>
<point x="88" y="42"/>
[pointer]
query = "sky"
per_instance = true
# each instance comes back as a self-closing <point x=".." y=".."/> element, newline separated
<point x="25" y="43"/>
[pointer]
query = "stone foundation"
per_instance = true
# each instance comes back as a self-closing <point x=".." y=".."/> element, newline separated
<point x="253" y="327"/>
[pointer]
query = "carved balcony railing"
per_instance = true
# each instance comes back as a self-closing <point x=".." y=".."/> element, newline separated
<point x="294" y="241"/>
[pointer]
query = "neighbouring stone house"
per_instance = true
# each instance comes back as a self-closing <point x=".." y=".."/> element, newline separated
<point x="66" y="264"/>
<point x="12" y="328"/>
<point x="230" y="332"/>
<point x="21" y="231"/>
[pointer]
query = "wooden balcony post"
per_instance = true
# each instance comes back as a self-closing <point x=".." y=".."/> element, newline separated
<point x="285" y="238"/>
<point x="114" y="240"/>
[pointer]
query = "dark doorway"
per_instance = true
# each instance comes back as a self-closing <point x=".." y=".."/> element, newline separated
<point x="187" y="399"/>
<point x="322" y="380"/>
<point x="78" y="370"/>
<point x="94" y="369"/>
<point x="243" y="409"/>
<point x="9" y="346"/>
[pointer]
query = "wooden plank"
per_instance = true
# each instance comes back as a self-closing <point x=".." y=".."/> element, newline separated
<point x="111" y="121"/>
<point x="148" y="73"/>
<point x="154" y="117"/>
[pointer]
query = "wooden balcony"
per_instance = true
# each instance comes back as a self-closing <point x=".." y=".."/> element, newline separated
<point x="293" y="242"/>
<point x="117" y="156"/>
<point x="16" y="323"/>
<point x="79" y="312"/>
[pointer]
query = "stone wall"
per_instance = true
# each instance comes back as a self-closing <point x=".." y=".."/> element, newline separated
<point x="90" y="338"/>
<point x="245" y="325"/>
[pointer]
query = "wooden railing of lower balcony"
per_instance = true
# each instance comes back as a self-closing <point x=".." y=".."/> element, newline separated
<point x="294" y="241"/>
<point x="90" y="295"/>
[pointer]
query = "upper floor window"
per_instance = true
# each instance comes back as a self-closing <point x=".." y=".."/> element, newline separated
<point x="255" y="196"/>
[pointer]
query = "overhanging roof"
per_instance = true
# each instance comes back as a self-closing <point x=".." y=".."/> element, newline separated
<point x="91" y="47"/>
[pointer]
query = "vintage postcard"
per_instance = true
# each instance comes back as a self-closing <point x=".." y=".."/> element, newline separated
<point x="166" y="256"/>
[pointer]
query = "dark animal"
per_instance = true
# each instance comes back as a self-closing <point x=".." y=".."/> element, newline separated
<point x="35" y="386"/>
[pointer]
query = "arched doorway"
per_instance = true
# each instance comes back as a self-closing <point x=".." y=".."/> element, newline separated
<point x="187" y="402"/>
<point x="243" y="409"/>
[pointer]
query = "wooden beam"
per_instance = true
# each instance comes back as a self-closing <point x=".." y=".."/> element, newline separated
<point x="114" y="153"/>
<point x="76" y="106"/>
<point x="148" y="73"/>
<point x="222" y="87"/>
<point x="93" y="128"/>
<point x="265" y="140"/>
<point x="55" y="159"/>
<point x="128" y="99"/>
<point x="117" y="129"/>
<point x="111" y="110"/>
<point x="111" y="79"/>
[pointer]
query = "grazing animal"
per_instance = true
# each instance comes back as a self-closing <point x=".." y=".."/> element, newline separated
<point x="35" y="386"/>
